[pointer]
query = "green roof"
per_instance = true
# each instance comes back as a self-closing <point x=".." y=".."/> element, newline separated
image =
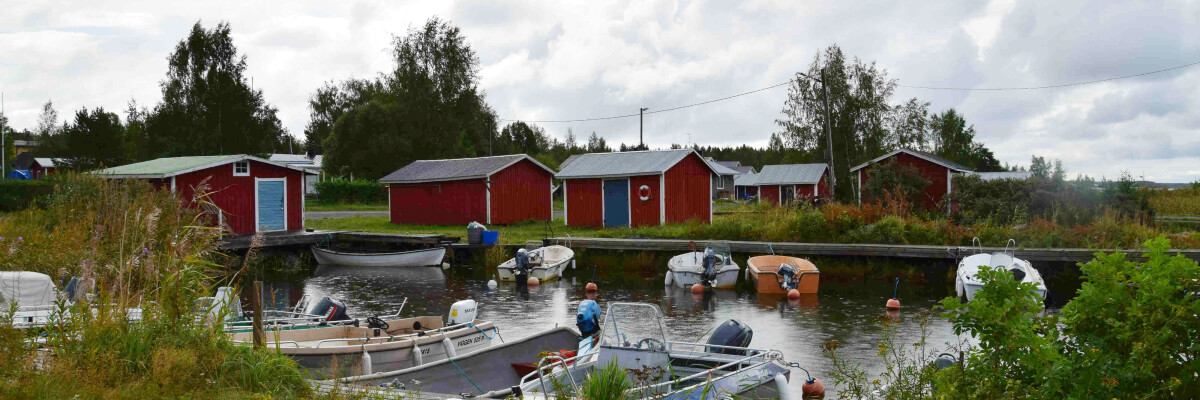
<point x="169" y="166"/>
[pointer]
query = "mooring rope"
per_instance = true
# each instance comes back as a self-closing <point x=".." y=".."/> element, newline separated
<point x="464" y="374"/>
<point x="495" y="332"/>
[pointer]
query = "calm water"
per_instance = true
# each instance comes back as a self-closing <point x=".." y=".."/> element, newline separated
<point x="851" y="299"/>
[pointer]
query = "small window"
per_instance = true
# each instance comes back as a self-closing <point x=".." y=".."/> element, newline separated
<point x="241" y="168"/>
<point x="720" y="182"/>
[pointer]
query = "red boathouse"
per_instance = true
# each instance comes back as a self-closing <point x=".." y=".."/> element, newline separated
<point x="787" y="183"/>
<point x="492" y="190"/>
<point x="250" y="194"/>
<point x="637" y="188"/>
<point x="939" y="171"/>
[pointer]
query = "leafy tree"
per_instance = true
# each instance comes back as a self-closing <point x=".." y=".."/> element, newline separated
<point x="436" y="108"/>
<point x="891" y="177"/>
<point x="596" y="144"/>
<point x="954" y="140"/>
<point x="136" y="138"/>
<point x="520" y="137"/>
<point x="208" y="106"/>
<point x="48" y="120"/>
<point x="94" y="140"/>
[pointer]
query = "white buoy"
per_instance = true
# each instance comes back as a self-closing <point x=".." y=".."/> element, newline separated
<point x="366" y="362"/>
<point x="670" y="277"/>
<point x="417" y="358"/>
<point x="492" y="284"/>
<point x="572" y="263"/>
<point x="781" y="384"/>
<point x="449" y="347"/>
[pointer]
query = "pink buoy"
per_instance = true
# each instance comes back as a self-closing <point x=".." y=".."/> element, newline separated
<point x="532" y="281"/>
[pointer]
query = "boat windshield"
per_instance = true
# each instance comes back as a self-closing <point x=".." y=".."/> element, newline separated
<point x="634" y="325"/>
<point x="721" y="249"/>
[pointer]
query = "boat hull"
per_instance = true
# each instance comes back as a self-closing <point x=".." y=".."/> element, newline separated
<point x="554" y="260"/>
<point x="416" y="258"/>
<point x="966" y="285"/>
<point x="685" y="270"/>
<point x="762" y="274"/>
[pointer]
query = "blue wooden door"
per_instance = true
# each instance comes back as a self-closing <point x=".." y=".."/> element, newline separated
<point x="271" y="215"/>
<point x="616" y="203"/>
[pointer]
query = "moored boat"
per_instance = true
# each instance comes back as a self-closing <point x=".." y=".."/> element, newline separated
<point x="966" y="284"/>
<point x="415" y="258"/>
<point x="780" y="274"/>
<point x="544" y="263"/>
<point x="380" y="345"/>
<point x="712" y="268"/>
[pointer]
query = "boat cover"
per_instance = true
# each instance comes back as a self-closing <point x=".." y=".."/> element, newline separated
<point x="27" y="289"/>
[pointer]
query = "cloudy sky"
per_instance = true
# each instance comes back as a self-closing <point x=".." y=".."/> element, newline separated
<point x="572" y="59"/>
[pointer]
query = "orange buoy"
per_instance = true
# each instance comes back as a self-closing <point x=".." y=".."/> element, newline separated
<point x="812" y="388"/>
<point x="532" y="281"/>
<point x="893" y="304"/>
<point x="697" y="288"/>
<point x="793" y="294"/>
<point x="591" y="287"/>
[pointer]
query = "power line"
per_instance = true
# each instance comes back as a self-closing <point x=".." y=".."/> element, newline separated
<point x="1053" y="86"/>
<point x="903" y="86"/>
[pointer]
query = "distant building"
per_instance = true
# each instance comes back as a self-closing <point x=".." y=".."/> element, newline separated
<point x="783" y="184"/>
<point x="722" y="180"/>
<point x="491" y="190"/>
<point x="746" y="186"/>
<point x="637" y="188"/>
<point x="247" y="194"/>
<point x="24" y="146"/>
<point x="737" y="166"/>
<point x="42" y="167"/>
<point x="995" y="176"/>
<point x="310" y="164"/>
<point x="939" y="171"/>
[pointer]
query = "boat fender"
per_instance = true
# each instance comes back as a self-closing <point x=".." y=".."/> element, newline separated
<point x="572" y="264"/>
<point x="366" y="361"/>
<point x="560" y="272"/>
<point x="781" y="384"/>
<point x="670" y="278"/>
<point x="812" y="388"/>
<point x="491" y="284"/>
<point x="449" y="347"/>
<point x="417" y="358"/>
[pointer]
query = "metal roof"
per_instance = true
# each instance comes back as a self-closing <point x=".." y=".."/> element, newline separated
<point x="456" y="169"/>
<point x="745" y="180"/>
<point x="994" y="176"/>
<point x="919" y="154"/>
<point x="568" y="161"/>
<point x="171" y="166"/>
<point x="720" y="169"/>
<point x="745" y="169"/>
<point x="45" y="162"/>
<point x="790" y="174"/>
<point x="628" y="163"/>
<point x="730" y="164"/>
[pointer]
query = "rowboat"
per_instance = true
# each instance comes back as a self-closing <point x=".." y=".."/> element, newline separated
<point x="966" y="284"/>
<point x="780" y="274"/>
<point x="632" y="336"/>
<point x="415" y="258"/>
<point x="381" y="345"/>
<point x="712" y="268"/>
<point x="545" y="263"/>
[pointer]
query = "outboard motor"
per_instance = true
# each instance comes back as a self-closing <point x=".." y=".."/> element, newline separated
<point x="521" y="272"/>
<point x="1018" y="274"/>
<point x="588" y="318"/>
<point x="787" y="275"/>
<point x="331" y="309"/>
<point x="73" y="289"/>
<point x="462" y="312"/>
<point x="731" y="333"/>
<point x="709" y="276"/>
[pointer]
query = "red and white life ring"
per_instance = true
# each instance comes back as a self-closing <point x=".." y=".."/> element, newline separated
<point x="644" y="193"/>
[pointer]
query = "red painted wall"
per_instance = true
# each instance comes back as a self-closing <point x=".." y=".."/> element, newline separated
<point x="644" y="213"/>
<point x="688" y="196"/>
<point x="584" y="202"/>
<point x="769" y="193"/>
<point x="38" y="172"/>
<point x="521" y="192"/>
<point x="438" y="203"/>
<point x="234" y="195"/>
<point x="936" y="174"/>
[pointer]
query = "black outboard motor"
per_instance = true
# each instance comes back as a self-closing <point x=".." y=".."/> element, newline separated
<point x="731" y="333"/>
<point x="787" y="274"/>
<point x="709" y="276"/>
<point x="333" y="310"/>
<point x="1018" y="274"/>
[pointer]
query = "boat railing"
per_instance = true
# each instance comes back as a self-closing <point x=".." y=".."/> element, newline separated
<point x="570" y="361"/>
<point x="566" y="368"/>
<point x="708" y="372"/>
<point x="282" y="342"/>
<point x="362" y="340"/>
<point x="753" y="352"/>
<point x="427" y="333"/>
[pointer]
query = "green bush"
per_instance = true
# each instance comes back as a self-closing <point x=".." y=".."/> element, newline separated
<point x="345" y="191"/>
<point x="18" y="195"/>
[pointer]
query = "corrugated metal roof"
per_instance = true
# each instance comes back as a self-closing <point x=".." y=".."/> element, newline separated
<point x="567" y="162"/>
<point x="171" y="166"/>
<point x="629" y="163"/>
<point x="919" y="154"/>
<point x="720" y="169"/>
<point x="790" y="174"/>
<point x="993" y="176"/>
<point x="45" y="162"/>
<point x="730" y="164"/>
<point x="745" y="180"/>
<point x="455" y="169"/>
<point x="745" y="169"/>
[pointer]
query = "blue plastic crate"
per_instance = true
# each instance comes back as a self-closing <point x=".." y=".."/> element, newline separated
<point x="491" y="237"/>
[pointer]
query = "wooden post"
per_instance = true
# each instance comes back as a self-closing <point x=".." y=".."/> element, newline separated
<point x="256" y="305"/>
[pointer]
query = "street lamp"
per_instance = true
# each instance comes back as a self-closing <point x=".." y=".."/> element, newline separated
<point x="641" y="127"/>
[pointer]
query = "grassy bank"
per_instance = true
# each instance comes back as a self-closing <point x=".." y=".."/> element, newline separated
<point x="834" y="223"/>
<point x="345" y="207"/>
<point x="1178" y="202"/>
<point x="140" y="248"/>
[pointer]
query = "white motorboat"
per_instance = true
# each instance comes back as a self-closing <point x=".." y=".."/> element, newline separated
<point x="966" y="284"/>
<point x="416" y="258"/>
<point x="382" y="344"/>
<point x="545" y="263"/>
<point x="632" y="336"/>
<point x="34" y="295"/>
<point x="712" y="268"/>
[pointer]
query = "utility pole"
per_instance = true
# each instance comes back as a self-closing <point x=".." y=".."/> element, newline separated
<point x="641" y="127"/>
<point x="828" y="134"/>
<point x="3" y="141"/>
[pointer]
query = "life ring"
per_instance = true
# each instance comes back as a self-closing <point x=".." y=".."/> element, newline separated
<point x="644" y="193"/>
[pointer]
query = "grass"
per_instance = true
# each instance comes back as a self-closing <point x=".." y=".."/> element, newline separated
<point x="345" y="207"/>
<point x="1178" y="202"/>
<point x="833" y="223"/>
